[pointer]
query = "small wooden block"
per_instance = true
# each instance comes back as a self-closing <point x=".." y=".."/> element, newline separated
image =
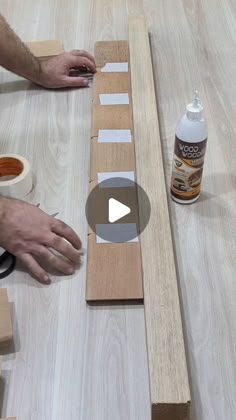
<point x="110" y="157"/>
<point x="171" y="411"/>
<point x="5" y="322"/>
<point x="9" y="418"/>
<point x="111" y="117"/>
<point x="111" y="52"/>
<point x="3" y="296"/>
<point x="114" y="271"/>
<point x="45" y="49"/>
<point x="110" y="83"/>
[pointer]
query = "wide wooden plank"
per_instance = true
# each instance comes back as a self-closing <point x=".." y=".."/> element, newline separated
<point x="169" y="385"/>
<point x="114" y="270"/>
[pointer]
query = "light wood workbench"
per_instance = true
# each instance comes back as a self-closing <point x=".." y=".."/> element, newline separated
<point x="89" y="363"/>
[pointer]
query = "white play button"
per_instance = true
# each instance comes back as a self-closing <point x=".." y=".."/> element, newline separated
<point x="117" y="210"/>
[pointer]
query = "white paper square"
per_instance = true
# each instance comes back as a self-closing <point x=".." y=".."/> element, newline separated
<point x="114" y="179"/>
<point x="114" y="136"/>
<point x="115" y="67"/>
<point x="114" y="98"/>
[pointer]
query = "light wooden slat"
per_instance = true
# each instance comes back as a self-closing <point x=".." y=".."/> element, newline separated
<point x="170" y="394"/>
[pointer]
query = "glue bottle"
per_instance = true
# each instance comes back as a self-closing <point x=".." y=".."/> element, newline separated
<point x="189" y="153"/>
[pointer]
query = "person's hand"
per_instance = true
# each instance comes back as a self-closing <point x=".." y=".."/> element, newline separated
<point x="30" y="234"/>
<point x="55" y="71"/>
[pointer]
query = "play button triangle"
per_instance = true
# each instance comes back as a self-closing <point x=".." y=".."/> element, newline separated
<point x="117" y="210"/>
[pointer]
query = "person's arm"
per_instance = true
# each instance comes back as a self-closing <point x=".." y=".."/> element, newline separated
<point x="53" y="73"/>
<point x="32" y="235"/>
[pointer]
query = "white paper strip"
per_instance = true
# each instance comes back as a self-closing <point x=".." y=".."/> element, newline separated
<point x="114" y="98"/>
<point x="115" y="67"/>
<point x="117" y="233"/>
<point x="116" y="179"/>
<point x="114" y="136"/>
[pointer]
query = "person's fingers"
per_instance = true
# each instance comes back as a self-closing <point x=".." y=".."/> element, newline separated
<point x="70" y="81"/>
<point x="66" y="249"/>
<point x="80" y="61"/>
<point x="38" y="272"/>
<point x="84" y="54"/>
<point x="63" y="230"/>
<point x="53" y="261"/>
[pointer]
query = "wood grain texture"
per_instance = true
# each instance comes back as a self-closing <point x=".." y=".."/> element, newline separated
<point x="108" y="52"/>
<point x="120" y="277"/>
<point x="110" y="83"/>
<point x="111" y="117"/>
<point x="97" y="351"/>
<point x="109" y="157"/>
<point x="169" y="383"/>
<point x="45" y="49"/>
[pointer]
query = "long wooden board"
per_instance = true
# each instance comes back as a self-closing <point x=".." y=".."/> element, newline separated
<point x="114" y="270"/>
<point x="169" y="384"/>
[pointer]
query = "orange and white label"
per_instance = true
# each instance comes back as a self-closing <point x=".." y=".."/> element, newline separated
<point x="187" y="169"/>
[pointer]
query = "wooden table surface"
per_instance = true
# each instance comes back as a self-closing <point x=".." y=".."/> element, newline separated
<point x="77" y="362"/>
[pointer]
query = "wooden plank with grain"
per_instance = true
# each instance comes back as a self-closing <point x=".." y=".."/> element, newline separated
<point x="114" y="270"/>
<point x="169" y="384"/>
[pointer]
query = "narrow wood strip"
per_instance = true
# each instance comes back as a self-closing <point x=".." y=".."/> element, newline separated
<point x="169" y="384"/>
<point x="5" y="322"/>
